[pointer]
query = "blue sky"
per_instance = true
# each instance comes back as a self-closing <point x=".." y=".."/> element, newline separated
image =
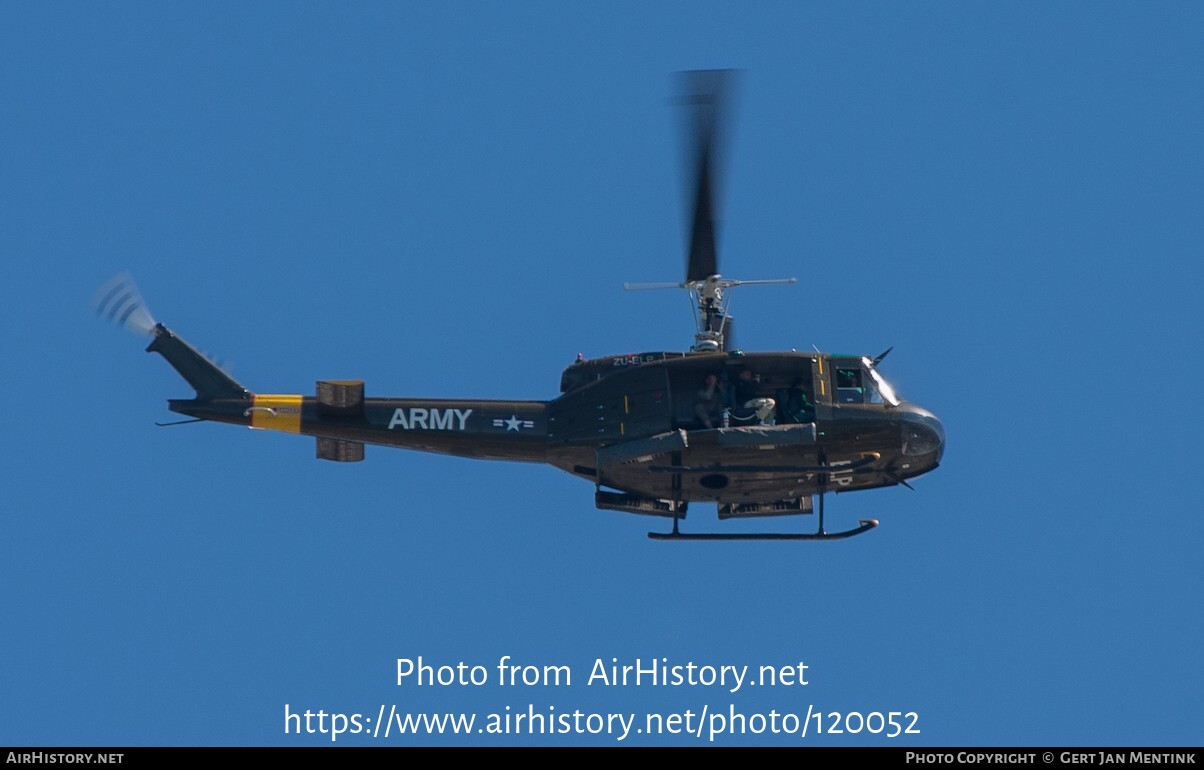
<point x="444" y="199"/>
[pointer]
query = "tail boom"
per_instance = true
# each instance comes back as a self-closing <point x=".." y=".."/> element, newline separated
<point x="339" y="413"/>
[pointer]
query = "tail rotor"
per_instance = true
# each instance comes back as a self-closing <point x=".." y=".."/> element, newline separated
<point x="119" y="301"/>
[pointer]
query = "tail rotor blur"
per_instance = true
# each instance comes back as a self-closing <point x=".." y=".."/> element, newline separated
<point x="119" y="301"/>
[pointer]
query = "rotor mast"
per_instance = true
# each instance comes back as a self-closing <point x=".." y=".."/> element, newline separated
<point x="710" y="303"/>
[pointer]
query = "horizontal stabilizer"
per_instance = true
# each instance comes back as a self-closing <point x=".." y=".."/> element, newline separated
<point x="340" y="451"/>
<point x="341" y="398"/>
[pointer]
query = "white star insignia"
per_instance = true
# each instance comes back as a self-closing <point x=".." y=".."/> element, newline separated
<point x="513" y="423"/>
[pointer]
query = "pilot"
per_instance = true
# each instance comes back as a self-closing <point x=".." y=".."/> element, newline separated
<point x="746" y="395"/>
<point x="709" y="401"/>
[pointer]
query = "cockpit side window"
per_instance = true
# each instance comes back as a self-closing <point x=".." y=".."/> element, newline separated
<point x="849" y="388"/>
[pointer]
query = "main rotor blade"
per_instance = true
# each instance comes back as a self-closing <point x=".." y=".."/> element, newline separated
<point x="706" y="93"/>
<point x="644" y="286"/>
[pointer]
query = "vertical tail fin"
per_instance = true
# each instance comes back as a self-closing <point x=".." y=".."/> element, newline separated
<point x="118" y="300"/>
<point x="206" y="378"/>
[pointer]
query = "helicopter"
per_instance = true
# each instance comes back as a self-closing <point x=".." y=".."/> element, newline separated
<point x="758" y="434"/>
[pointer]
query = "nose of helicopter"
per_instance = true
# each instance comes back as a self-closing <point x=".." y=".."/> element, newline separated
<point x="922" y="431"/>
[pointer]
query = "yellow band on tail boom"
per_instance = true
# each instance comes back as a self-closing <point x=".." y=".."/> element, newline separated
<point x="276" y="412"/>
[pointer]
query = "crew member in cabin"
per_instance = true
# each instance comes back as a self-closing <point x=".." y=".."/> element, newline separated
<point x="709" y="401"/>
<point x="754" y="405"/>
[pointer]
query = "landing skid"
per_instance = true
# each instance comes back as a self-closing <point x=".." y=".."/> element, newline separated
<point x="819" y="534"/>
<point x="866" y="526"/>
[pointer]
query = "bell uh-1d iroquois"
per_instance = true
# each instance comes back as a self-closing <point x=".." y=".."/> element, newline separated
<point x="758" y="434"/>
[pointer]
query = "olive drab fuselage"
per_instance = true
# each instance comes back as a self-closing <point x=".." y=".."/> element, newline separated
<point x="631" y="424"/>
